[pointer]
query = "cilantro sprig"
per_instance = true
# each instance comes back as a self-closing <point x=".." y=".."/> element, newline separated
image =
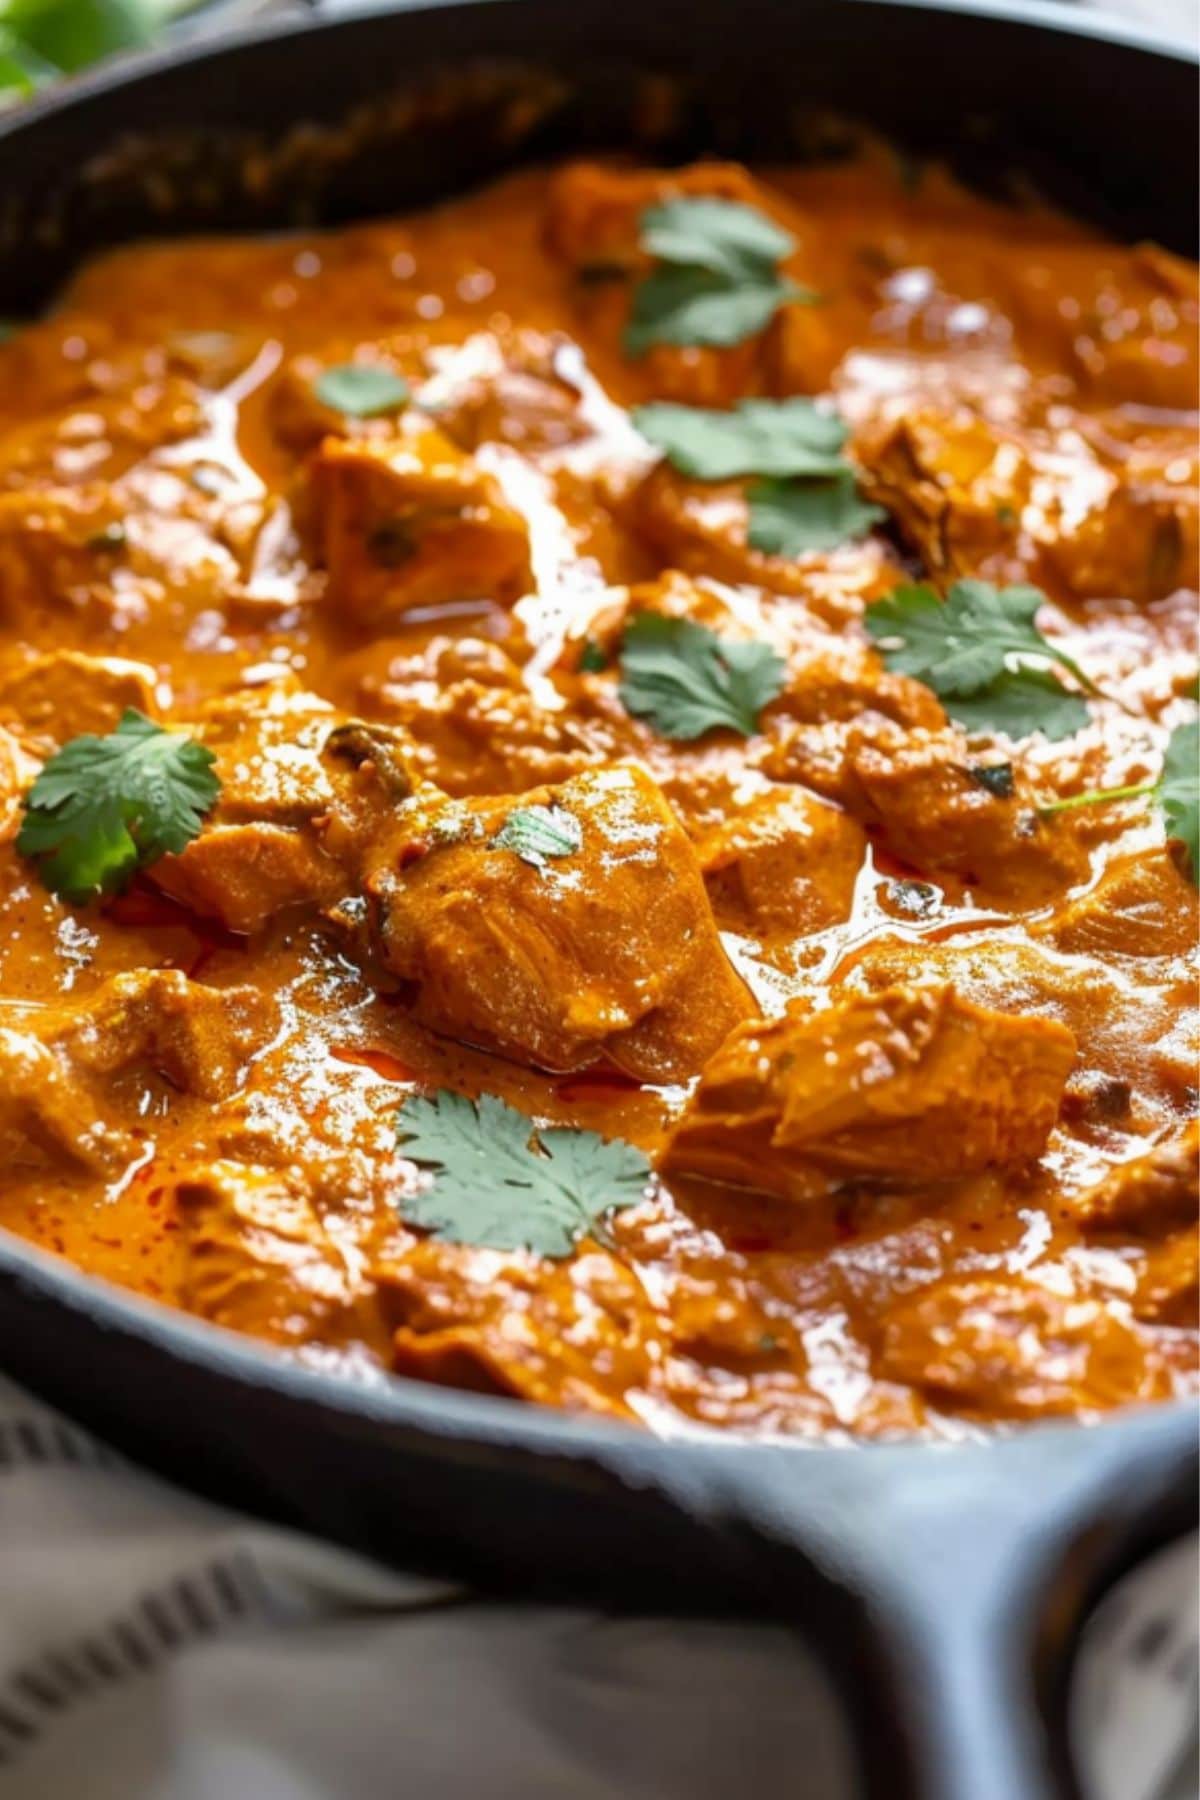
<point x="717" y="281"/>
<point x="806" y="495"/>
<point x="973" y="650"/>
<point x="1176" y="793"/>
<point x="105" y="807"/>
<point x="684" y="680"/>
<point x="501" y="1182"/>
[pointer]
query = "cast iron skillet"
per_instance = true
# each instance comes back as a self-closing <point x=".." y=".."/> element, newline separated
<point x="943" y="1585"/>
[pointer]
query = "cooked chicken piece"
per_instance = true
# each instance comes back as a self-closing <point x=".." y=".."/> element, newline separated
<point x="90" y="444"/>
<point x="702" y="527"/>
<point x="1092" y="1000"/>
<point x="48" y="1116"/>
<point x="510" y="388"/>
<point x="608" y="948"/>
<point x="477" y="727"/>
<point x="1168" y="1289"/>
<point x="1009" y="504"/>
<point x="259" y="1259"/>
<point x="783" y="862"/>
<point x="1006" y="1348"/>
<point x="593" y="223"/>
<point x="915" y="788"/>
<point x="259" y="851"/>
<point x="57" y="1068"/>
<point x="908" y="1086"/>
<point x="54" y="550"/>
<point x="1125" y="321"/>
<point x="200" y="1038"/>
<point x="1149" y="1193"/>
<point x="580" y="1333"/>
<point x="409" y="521"/>
<point x="1141" y="906"/>
<point x="61" y="695"/>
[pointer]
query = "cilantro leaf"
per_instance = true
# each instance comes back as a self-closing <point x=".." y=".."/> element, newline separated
<point x="1179" y="792"/>
<point x="759" y="437"/>
<point x="718" y="280"/>
<point x="1018" y="702"/>
<point x="788" y="518"/>
<point x="685" y="680"/>
<point x="962" y="647"/>
<point x="726" y="237"/>
<point x="500" y="1181"/>
<point x="535" y="832"/>
<point x="104" y="807"/>
<point x="692" y="307"/>
<point x="361" y="390"/>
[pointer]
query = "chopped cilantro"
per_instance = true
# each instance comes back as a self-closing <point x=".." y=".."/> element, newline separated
<point x="535" y="832"/>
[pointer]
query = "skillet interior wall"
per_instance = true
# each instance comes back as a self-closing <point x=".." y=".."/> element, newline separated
<point x="316" y="126"/>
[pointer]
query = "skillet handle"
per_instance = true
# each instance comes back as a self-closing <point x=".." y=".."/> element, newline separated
<point x="947" y="1586"/>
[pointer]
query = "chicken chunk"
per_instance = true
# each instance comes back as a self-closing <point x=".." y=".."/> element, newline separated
<point x="1141" y="906"/>
<point x="51" y="698"/>
<point x="478" y="728"/>
<point x="702" y="527"/>
<point x="1093" y="1000"/>
<point x="580" y="1333"/>
<point x="607" y="948"/>
<point x="782" y="863"/>
<point x="411" y="521"/>
<point x="1010" y="1349"/>
<point x="200" y="1038"/>
<point x="907" y="1086"/>
<point x="1022" y="504"/>
<point x="592" y="224"/>
<point x="61" y="1068"/>
<point x="259" y="851"/>
<point x="258" y="1258"/>
<point x="514" y="388"/>
<point x="914" y="787"/>
<point x="1158" y="1189"/>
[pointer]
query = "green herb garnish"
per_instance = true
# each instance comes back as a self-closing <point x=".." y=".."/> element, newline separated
<point x="717" y="281"/>
<point x="759" y="437"/>
<point x="501" y="1182"/>
<point x="593" y="658"/>
<point x="970" y="649"/>
<point x="685" y="680"/>
<point x="104" y="807"/>
<point x="806" y="497"/>
<point x="1177" y="793"/>
<point x="790" y="518"/>
<point x="361" y="390"/>
<point x="535" y="832"/>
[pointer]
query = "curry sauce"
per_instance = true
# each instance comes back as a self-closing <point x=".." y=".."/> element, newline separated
<point x="908" y="1047"/>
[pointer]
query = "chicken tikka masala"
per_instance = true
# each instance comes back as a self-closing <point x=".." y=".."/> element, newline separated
<point x="598" y="796"/>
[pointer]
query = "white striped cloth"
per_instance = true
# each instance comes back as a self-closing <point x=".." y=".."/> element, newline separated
<point x="155" y="1647"/>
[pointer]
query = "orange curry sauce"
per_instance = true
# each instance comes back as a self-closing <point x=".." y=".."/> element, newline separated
<point x="200" y="1077"/>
